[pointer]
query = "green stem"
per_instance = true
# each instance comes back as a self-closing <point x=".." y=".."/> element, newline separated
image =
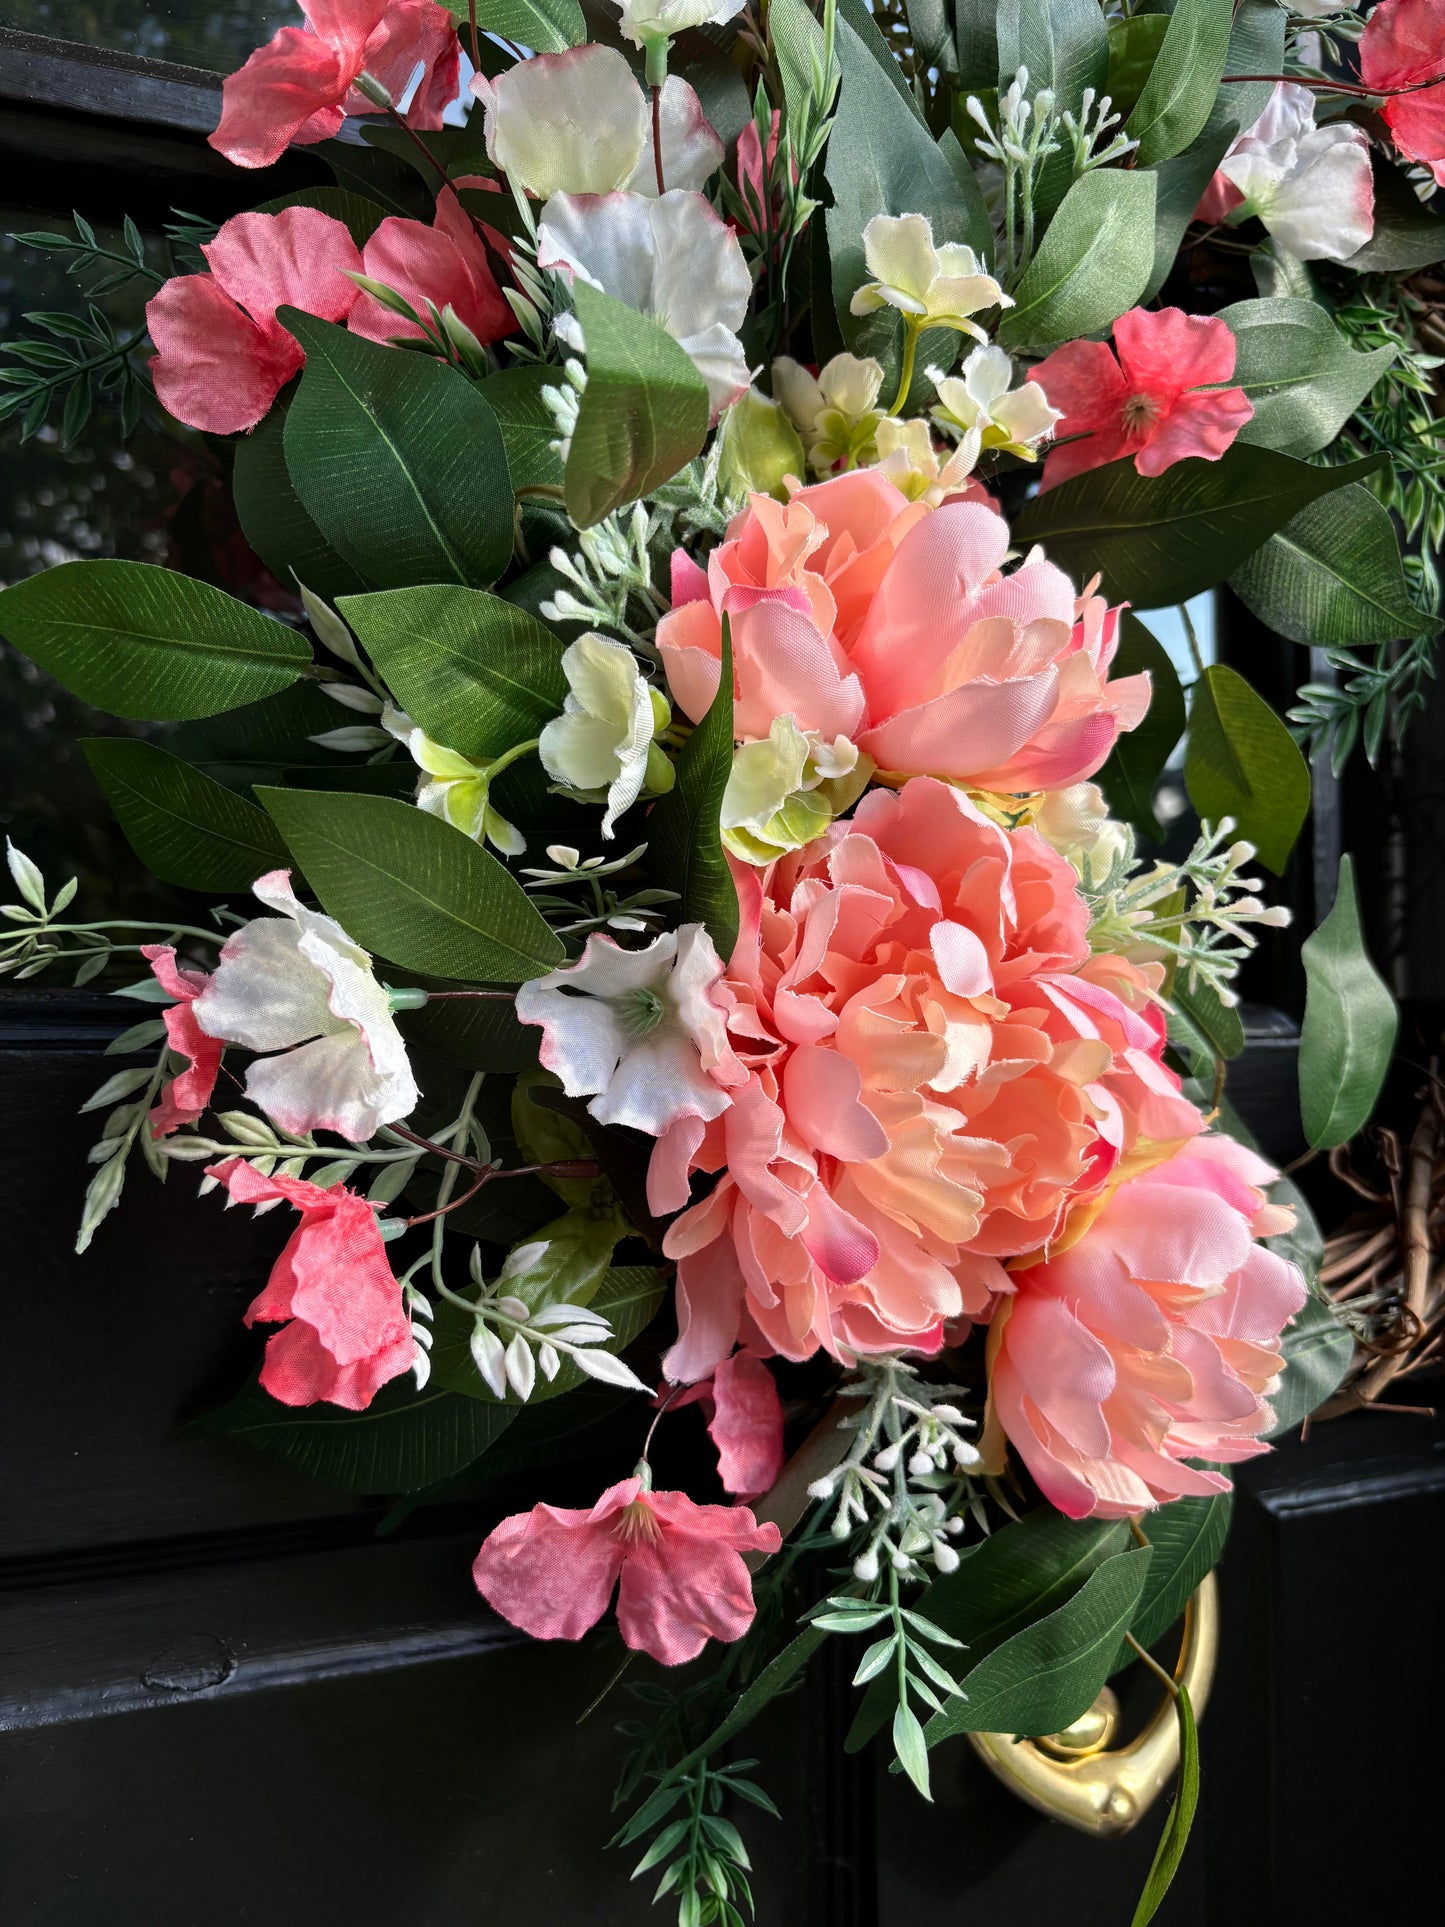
<point x="449" y="1178"/>
<point x="912" y="328"/>
<point x="510" y="756"/>
<point x="1191" y="637"/>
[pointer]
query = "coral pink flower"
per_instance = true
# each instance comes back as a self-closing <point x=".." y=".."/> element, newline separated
<point x="223" y="357"/>
<point x="186" y="1096"/>
<point x="863" y="615"/>
<point x="1154" y="402"/>
<point x="746" y="1422"/>
<point x="301" y="85"/>
<point x="445" y="264"/>
<point x="938" y="1071"/>
<point x="1153" y="1340"/>
<point x="348" y="1334"/>
<point x="678" y="1569"/>
<point x="1404" y="43"/>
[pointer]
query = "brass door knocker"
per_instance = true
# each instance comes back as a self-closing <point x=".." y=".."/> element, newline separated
<point x="1075" y="1776"/>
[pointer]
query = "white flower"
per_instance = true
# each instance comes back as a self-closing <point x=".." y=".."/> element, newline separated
<point x="298" y="985"/>
<point x="932" y="286"/>
<point x="1311" y="186"/>
<point x="836" y="412"/>
<point x="456" y="788"/>
<point x="672" y="259"/>
<point x="979" y="397"/>
<point x="602" y="742"/>
<point x="637" y="1031"/>
<point x="908" y="457"/>
<point x="786" y="789"/>
<point x="579" y="123"/>
<point x="644" y="20"/>
<point x="1078" y="824"/>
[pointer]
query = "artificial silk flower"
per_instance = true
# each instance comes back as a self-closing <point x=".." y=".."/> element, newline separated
<point x="980" y="399"/>
<point x="302" y="84"/>
<point x="1161" y="401"/>
<point x="642" y="1033"/>
<point x="672" y="259"/>
<point x="601" y="745"/>
<point x="759" y="450"/>
<point x="836" y="411"/>
<point x="295" y="984"/>
<point x="678" y="1569"/>
<point x="651" y="20"/>
<point x="444" y="266"/>
<point x="1311" y="186"/>
<point x="347" y="1333"/>
<point x="1076" y="821"/>
<point x="186" y="1096"/>
<point x="920" y="470"/>
<point x="454" y="787"/>
<point x="745" y="1423"/>
<point x="786" y="788"/>
<point x="1151" y="1342"/>
<point x="937" y="286"/>
<point x="579" y="123"/>
<point x="1404" y="43"/>
<point x="221" y="356"/>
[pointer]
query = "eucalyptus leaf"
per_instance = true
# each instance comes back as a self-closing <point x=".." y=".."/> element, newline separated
<point x="1134" y="46"/>
<point x="1350" y="1024"/>
<point x="1299" y="371"/>
<point x="412" y="889"/>
<point x="1241" y="761"/>
<point x="183" y="825"/>
<point x="1130" y="776"/>
<point x="1318" y="1351"/>
<point x="274" y="521"/>
<point x="1218" y="1024"/>
<point x="546" y="26"/>
<point x="684" y="832"/>
<point x="1186" y="1539"/>
<point x="1334" y="574"/>
<point x="1256" y="46"/>
<point x="1180" y="92"/>
<point x="1063" y="43"/>
<point x="1092" y="265"/>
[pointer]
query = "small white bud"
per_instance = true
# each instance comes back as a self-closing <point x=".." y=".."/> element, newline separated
<point x="944" y="1556"/>
<point x="865" y="1566"/>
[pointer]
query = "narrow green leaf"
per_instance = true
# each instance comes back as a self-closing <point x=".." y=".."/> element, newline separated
<point x="1186" y="1538"/>
<point x="413" y="890"/>
<point x="911" y="1747"/>
<point x="1183" y="82"/>
<point x="1133" y="49"/>
<point x="183" y="825"/>
<point x="546" y="26"/>
<point x="1130" y="776"/>
<point x="1218" y="1024"/>
<point x="684" y="831"/>
<point x="1299" y="371"/>
<point x="1093" y="264"/>
<point x="1334" y="574"/>
<point x="1349" y="1028"/>
<point x="1241" y="761"/>
<point x="147" y="643"/>
<point x="1181" y="1815"/>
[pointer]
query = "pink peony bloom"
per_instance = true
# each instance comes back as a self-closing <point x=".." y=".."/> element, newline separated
<point x="302" y="84"/>
<point x="746" y="1422"/>
<point x="867" y="616"/>
<point x="938" y="1070"/>
<point x="348" y="1334"/>
<point x="1154" y="402"/>
<point x="445" y="264"/>
<point x="222" y="356"/>
<point x="678" y="1568"/>
<point x="1403" y="43"/>
<point x="185" y="1098"/>
<point x="1153" y="1339"/>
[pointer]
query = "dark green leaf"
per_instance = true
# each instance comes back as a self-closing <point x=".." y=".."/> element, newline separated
<point x="148" y="643"/>
<point x="546" y="26"/>
<point x="1407" y="236"/>
<point x="273" y="733"/>
<point x="1181" y="1815"/>
<point x="410" y="888"/>
<point x="1333" y="575"/>
<point x="1299" y="371"/>
<point x="273" y="520"/>
<point x="1181" y="88"/>
<point x="1092" y="265"/>
<point x="1179" y="183"/>
<point x="684" y="832"/>
<point x="398" y="460"/>
<point x="1063" y="43"/>
<point x="1187" y="1539"/>
<point x="644" y="411"/>
<point x="1241" y="761"/>
<point x="1349" y="1028"/>
<point x="1318" y="1351"/>
<point x="1256" y="46"/>
<point x="1162" y="540"/>
<point x="1129" y="777"/>
<point x="476" y="673"/>
<point x="529" y="433"/>
<point x="975" y="32"/>
<point x="1133" y="48"/>
<point x="184" y="826"/>
<point x="1219" y="1025"/>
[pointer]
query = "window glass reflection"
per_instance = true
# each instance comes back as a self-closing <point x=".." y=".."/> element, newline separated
<point x="197" y="33"/>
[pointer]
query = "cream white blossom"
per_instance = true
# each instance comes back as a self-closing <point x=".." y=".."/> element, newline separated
<point x="786" y="788"/>
<point x="455" y="787"/>
<point x="297" y="986"/>
<point x="836" y="411"/>
<point x="1311" y="186"/>
<point x="1076" y="821"/>
<point x="917" y="467"/>
<point x="933" y="286"/>
<point x="980" y="398"/>
<point x="601" y="744"/>
<point x="649" y="20"/>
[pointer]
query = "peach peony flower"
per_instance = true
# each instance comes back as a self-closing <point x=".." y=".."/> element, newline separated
<point x="937" y="1071"/>
<point x="1153" y="1340"/>
<point x="864" y="615"/>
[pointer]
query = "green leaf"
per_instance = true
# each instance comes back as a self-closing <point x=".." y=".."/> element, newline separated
<point x="184" y="826"/>
<point x="528" y="430"/>
<point x="1333" y="574"/>
<point x="1407" y="236"/>
<point x="1063" y="43"/>
<point x="398" y="460"/>
<point x="1181" y="1815"/>
<point x="1179" y="182"/>
<point x="798" y="43"/>
<point x="1318" y="1351"/>
<point x="359" y="215"/>
<point x="1256" y="46"/>
<point x="1241" y="761"/>
<point x="644" y="411"/>
<point x="1219" y="1025"/>
<point x="1349" y="1028"/>
<point x="1182" y="85"/>
<point x="271" y="734"/>
<point x="684" y="831"/>
<point x="1186" y="1538"/>
<point x="147" y="643"/>
<point x="273" y="520"/>
<point x="1299" y="371"/>
<point x="628" y="1296"/>
<point x="546" y="26"/>
<point x="404" y="1439"/>
<point x="1133" y="48"/>
<point x="975" y="32"/>
<point x="1129" y="777"/>
<point x="477" y="673"/>
<point x="910" y="1747"/>
<point x="1092" y="265"/>
<point x="1163" y="539"/>
<point x="410" y="888"/>
<point x="1047" y="1675"/>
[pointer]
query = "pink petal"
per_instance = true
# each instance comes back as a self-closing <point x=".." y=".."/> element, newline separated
<point x="747" y="1426"/>
<point x="1083" y="379"/>
<point x="709" y="1306"/>
<point x="821" y="1096"/>
<point x="215" y="369"/>
<point x="298" y="258"/>
<point x="972" y="728"/>
<point x="843" y="1249"/>
<point x="186" y="1096"/>
<point x="1202" y="425"/>
<point x="690" y="1584"/>
<point x="783" y="667"/>
<point x="551" y="1570"/>
<point x="282" y="87"/>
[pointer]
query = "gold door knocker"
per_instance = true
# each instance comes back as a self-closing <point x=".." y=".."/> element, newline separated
<point x="1075" y="1776"/>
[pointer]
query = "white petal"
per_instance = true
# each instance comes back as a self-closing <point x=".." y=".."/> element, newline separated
<point x="719" y="358"/>
<point x="606" y="238"/>
<point x="265" y="993"/>
<point x="359" y="1000"/>
<point x="691" y="150"/>
<point x="900" y="253"/>
<point x="583" y="1039"/>
<point x="328" y="1085"/>
<point x="799" y="392"/>
<point x="701" y="277"/>
<point x="570" y="123"/>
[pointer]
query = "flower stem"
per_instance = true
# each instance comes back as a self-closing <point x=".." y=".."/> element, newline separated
<point x="476" y="43"/>
<point x="912" y="328"/>
<point x="657" y="139"/>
